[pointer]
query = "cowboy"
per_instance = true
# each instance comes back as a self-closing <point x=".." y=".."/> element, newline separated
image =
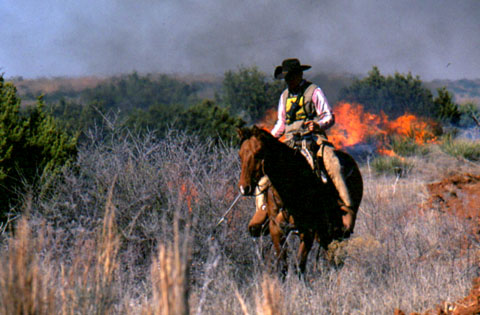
<point x="303" y="109"/>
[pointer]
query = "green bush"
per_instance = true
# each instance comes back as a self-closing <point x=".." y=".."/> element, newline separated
<point x="122" y="97"/>
<point x="249" y="93"/>
<point x="462" y="148"/>
<point x="400" y="94"/>
<point x="135" y="91"/>
<point x="394" y="95"/>
<point x="205" y="120"/>
<point x="469" y="114"/>
<point x="210" y="121"/>
<point x="406" y="146"/>
<point x="446" y="109"/>
<point x="31" y="145"/>
<point x="159" y="118"/>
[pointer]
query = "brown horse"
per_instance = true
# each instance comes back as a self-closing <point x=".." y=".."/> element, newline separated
<point x="297" y="199"/>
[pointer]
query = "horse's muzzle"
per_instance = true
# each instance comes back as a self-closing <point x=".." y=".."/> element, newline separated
<point x="247" y="190"/>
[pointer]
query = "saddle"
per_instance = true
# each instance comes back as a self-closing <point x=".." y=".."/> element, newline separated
<point x="308" y="147"/>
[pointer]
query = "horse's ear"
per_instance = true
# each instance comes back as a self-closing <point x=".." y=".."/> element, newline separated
<point x="256" y="131"/>
<point x="243" y="133"/>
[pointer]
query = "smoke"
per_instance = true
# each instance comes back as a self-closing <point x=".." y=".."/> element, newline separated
<point x="431" y="38"/>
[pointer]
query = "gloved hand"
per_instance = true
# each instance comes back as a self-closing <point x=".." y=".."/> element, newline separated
<point x="312" y="126"/>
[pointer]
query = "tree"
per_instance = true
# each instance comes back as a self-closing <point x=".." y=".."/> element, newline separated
<point x="446" y="109"/>
<point x="158" y="117"/>
<point x="210" y="121"/>
<point x="248" y="93"/>
<point x="135" y="91"/>
<point x="394" y="95"/>
<point x="31" y="145"/>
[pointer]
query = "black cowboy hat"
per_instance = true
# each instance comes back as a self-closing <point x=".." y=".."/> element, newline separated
<point x="289" y="65"/>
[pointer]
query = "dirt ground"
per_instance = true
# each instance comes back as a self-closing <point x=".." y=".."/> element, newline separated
<point x="458" y="195"/>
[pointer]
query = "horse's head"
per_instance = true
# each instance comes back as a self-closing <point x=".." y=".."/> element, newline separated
<point x="252" y="155"/>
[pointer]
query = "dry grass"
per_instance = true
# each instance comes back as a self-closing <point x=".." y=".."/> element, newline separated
<point x="25" y="287"/>
<point x="169" y="281"/>
<point x="33" y="284"/>
<point x="89" y="284"/>
<point x="124" y="236"/>
<point x="271" y="301"/>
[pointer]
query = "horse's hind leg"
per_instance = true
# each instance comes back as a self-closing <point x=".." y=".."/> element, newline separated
<point x="305" y="246"/>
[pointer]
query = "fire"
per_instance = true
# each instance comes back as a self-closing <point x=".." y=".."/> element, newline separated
<point x="189" y="193"/>
<point x="353" y="125"/>
<point x="412" y="127"/>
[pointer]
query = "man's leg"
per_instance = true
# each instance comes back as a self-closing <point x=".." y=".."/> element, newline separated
<point x="334" y="170"/>
<point x="258" y="220"/>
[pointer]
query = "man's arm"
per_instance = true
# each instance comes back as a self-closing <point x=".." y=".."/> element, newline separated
<point x="324" y="118"/>
<point x="279" y="127"/>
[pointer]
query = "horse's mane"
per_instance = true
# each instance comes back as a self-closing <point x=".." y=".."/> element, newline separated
<point x="277" y="148"/>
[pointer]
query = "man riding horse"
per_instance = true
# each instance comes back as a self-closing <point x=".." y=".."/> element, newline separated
<point x="303" y="109"/>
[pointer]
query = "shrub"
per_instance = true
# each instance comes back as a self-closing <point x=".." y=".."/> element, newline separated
<point x="394" y="95"/>
<point x="210" y="121"/>
<point x="249" y="93"/>
<point x="445" y="108"/>
<point x="206" y="120"/>
<point x="135" y="91"/>
<point x="463" y="148"/>
<point x="31" y="145"/>
<point x="405" y="146"/>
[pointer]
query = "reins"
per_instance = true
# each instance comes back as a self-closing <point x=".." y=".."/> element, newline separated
<point x="229" y="209"/>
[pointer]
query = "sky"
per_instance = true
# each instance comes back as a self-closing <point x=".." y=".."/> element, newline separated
<point x="434" y="39"/>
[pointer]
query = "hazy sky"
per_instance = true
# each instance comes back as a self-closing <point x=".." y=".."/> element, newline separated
<point x="431" y="38"/>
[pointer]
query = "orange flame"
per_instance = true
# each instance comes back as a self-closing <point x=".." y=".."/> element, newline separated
<point x="353" y="125"/>
<point x="186" y="192"/>
<point x="189" y="193"/>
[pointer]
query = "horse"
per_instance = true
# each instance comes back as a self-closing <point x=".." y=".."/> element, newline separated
<point x="297" y="198"/>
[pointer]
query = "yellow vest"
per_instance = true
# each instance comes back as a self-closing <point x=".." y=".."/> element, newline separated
<point x="304" y="104"/>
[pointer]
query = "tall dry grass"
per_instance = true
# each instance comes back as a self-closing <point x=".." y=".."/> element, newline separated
<point x="131" y="230"/>
<point x="26" y="283"/>
<point x="169" y="284"/>
<point x="89" y="283"/>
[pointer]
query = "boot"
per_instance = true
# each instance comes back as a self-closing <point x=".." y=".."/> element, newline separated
<point x="334" y="170"/>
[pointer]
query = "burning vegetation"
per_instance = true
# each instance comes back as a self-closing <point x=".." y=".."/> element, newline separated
<point x="355" y="126"/>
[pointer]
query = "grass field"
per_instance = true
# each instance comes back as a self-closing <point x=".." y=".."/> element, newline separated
<point x="131" y="230"/>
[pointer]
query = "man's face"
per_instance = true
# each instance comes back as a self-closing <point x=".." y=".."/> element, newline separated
<point x="293" y="80"/>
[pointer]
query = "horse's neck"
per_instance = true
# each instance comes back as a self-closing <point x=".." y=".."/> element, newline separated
<point x="288" y="171"/>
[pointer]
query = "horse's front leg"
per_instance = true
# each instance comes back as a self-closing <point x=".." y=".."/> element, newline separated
<point x="306" y="242"/>
<point x="278" y="239"/>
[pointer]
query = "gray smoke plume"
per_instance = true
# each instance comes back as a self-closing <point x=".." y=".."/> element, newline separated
<point x="431" y="38"/>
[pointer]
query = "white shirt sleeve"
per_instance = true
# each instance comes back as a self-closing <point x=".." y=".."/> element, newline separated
<point x="325" y="116"/>
<point x="279" y="127"/>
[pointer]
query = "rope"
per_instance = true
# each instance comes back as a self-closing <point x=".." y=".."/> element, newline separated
<point x="229" y="209"/>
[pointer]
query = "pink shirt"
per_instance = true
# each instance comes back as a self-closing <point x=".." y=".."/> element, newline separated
<point x="324" y="113"/>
